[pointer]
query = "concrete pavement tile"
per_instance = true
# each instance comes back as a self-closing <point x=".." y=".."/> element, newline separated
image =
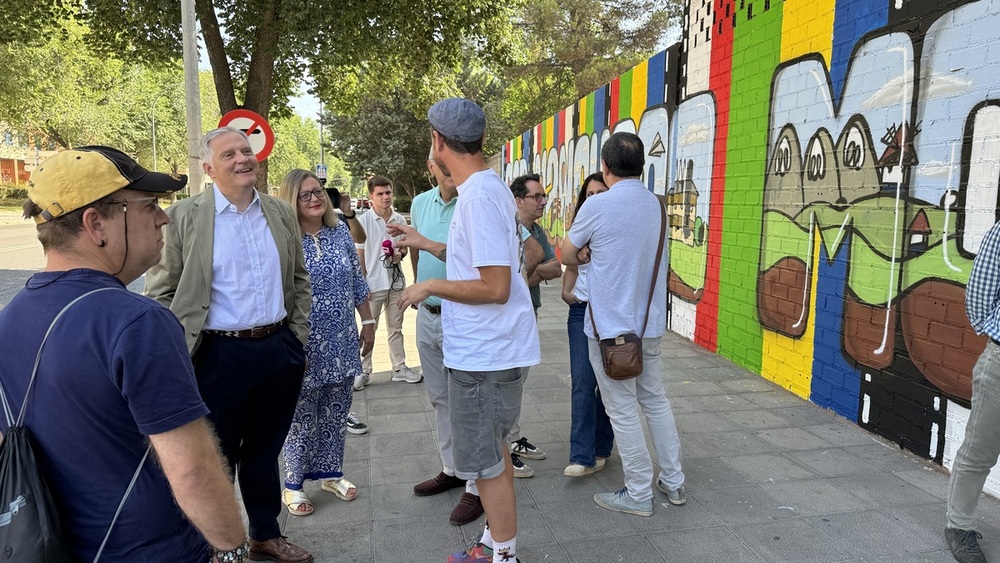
<point x="755" y="419"/>
<point x="841" y="433"/>
<point x="883" y="488"/>
<point x="702" y="422"/>
<point x="733" y="442"/>
<point x="689" y="516"/>
<point x="409" y="469"/>
<point x="391" y="502"/>
<point x="408" y="404"/>
<point x="872" y="533"/>
<point x="637" y="547"/>
<point x="724" y="403"/>
<point x="578" y="520"/>
<point x="742" y="505"/>
<point x="688" y="387"/>
<point x="887" y="456"/>
<point x="720" y="374"/>
<point x="684" y="405"/>
<point x="382" y="387"/>
<point x="551" y="487"/>
<point x="941" y="556"/>
<point x="356" y="447"/>
<point x="769" y="468"/>
<point x="775" y="399"/>
<point x="414" y="538"/>
<point x="711" y="473"/>
<point x="791" y="438"/>
<point x="549" y="553"/>
<point x="691" y="449"/>
<point x="347" y="542"/>
<point x="542" y="396"/>
<point x="398" y="423"/>
<point x="701" y="545"/>
<point x="931" y="480"/>
<point x="556" y="411"/>
<point x="792" y="541"/>
<point x="402" y="445"/>
<point x="750" y="384"/>
<point x="708" y="360"/>
<point x="812" y="497"/>
<point x="832" y="462"/>
<point x="807" y="414"/>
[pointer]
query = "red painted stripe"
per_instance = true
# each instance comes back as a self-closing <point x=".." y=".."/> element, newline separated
<point x="706" y="331"/>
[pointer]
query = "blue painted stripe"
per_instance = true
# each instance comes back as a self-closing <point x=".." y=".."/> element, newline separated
<point x="852" y="19"/>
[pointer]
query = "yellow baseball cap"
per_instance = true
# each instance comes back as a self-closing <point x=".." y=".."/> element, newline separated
<point x="77" y="177"/>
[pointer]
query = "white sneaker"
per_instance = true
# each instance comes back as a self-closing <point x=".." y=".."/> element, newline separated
<point x="354" y="424"/>
<point x="361" y="380"/>
<point x="577" y="470"/>
<point x="521" y="471"/>
<point x="408" y="375"/>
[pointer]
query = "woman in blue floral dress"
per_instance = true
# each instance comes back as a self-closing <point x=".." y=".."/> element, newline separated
<point x="314" y="448"/>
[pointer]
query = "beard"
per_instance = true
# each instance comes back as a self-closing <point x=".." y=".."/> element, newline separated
<point x="440" y="164"/>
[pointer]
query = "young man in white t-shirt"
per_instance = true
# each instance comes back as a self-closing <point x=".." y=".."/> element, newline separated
<point x="619" y="235"/>
<point x="489" y="326"/>
<point x="385" y="279"/>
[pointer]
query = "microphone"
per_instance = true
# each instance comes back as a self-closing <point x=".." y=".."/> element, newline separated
<point x="387" y="248"/>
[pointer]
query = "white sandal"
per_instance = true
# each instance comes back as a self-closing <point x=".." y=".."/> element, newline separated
<point x="344" y="489"/>
<point x="297" y="503"/>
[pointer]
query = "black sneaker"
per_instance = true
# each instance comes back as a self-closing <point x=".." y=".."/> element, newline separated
<point x="964" y="545"/>
<point x="354" y="425"/>
<point x="526" y="449"/>
<point x="521" y="471"/>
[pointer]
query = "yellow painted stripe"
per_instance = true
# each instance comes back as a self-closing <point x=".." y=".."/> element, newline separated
<point x="640" y="79"/>
<point x="786" y="361"/>
<point x="582" y="116"/>
<point x="807" y="27"/>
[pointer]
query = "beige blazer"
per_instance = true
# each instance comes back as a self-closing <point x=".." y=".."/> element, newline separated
<point x="183" y="279"/>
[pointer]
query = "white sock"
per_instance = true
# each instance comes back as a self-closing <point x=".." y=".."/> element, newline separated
<point x="504" y="552"/>
<point x="487" y="537"/>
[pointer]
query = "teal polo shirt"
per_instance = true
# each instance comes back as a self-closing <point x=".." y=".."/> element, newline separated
<point x="431" y="217"/>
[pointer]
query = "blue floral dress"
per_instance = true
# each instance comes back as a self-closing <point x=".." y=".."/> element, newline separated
<point x="314" y="448"/>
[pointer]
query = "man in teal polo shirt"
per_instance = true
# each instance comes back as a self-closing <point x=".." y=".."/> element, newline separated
<point x="430" y="215"/>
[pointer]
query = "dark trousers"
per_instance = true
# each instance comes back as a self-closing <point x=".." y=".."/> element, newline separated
<point x="251" y="387"/>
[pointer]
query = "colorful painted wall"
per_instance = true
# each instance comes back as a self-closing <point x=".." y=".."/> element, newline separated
<point x="830" y="168"/>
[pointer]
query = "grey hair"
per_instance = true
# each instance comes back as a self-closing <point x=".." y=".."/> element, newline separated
<point x="205" y="145"/>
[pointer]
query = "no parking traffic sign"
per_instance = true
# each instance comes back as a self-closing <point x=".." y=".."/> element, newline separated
<point x="258" y="131"/>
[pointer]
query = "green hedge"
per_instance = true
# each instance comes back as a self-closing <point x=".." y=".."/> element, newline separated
<point x="13" y="194"/>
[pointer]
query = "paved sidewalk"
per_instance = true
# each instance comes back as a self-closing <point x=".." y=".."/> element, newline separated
<point x="770" y="478"/>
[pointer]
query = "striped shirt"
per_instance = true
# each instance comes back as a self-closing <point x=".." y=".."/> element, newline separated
<point x="246" y="270"/>
<point x="982" y="293"/>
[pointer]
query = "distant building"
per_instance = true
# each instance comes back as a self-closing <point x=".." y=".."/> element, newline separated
<point x="19" y="154"/>
<point x="682" y="202"/>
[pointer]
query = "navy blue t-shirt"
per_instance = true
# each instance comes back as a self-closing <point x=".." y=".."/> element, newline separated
<point x="114" y="370"/>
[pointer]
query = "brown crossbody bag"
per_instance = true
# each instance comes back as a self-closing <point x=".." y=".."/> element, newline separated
<point x="622" y="355"/>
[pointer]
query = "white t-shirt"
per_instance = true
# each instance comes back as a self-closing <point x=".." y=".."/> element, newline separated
<point x="379" y="277"/>
<point x="484" y="232"/>
<point x="580" y="287"/>
<point x="622" y="227"/>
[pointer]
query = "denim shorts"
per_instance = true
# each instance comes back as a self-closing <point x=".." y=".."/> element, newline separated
<point x="484" y="406"/>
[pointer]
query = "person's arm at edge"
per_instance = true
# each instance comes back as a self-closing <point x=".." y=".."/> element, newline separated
<point x="367" y="330"/>
<point x="549" y="270"/>
<point x="200" y="483"/>
<point x="493" y="286"/>
<point x="298" y="317"/>
<point x="533" y="256"/>
<point x="353" y="223"/>
<point x="570" y="253"/>
<point x="569" y="283"/>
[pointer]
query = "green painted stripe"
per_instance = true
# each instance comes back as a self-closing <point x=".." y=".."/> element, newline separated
<point x="756" y="54"/>
<point x="625" y="95"/>
<point x="590" y="114"/>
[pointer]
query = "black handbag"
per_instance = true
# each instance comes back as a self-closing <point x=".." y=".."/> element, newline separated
<point x="622" y="355"/>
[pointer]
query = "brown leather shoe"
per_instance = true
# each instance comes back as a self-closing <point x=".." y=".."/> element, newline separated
<point x="469" y="508"/>
<point x="438" y="484"/>
<point x="278" y="550"/>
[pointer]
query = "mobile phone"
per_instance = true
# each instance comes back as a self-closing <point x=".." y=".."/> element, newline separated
<point x="334" y="195"/>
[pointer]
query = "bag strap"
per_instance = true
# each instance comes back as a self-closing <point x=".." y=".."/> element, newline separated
<point x="121" y="505"/>
<point x="656" y="273"/>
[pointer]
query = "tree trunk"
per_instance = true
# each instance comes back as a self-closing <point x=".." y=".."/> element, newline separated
<point x="261" y="72"/>
<point x="216" y="48"/>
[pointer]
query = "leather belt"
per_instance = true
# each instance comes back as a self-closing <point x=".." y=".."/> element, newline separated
<point x="434" y="309"/>
<point x="255" y="332"/>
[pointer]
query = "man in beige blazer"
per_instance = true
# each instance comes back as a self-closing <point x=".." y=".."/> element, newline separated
<point x="232" y="271"/>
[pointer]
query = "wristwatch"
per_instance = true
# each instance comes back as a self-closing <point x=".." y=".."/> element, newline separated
<point x="351" y="217"/>
<point x="235" y="555"/>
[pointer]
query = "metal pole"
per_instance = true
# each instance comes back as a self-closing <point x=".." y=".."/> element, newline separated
<point x="152" y="113"/>
<point x="192" y="95"/>
<point x="321" y="133"/>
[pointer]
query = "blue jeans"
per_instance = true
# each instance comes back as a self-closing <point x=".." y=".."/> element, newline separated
<point x="591" y="435"/>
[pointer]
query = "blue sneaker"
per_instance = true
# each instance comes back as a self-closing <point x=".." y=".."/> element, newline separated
<point x="477" y="553"/>
<point x="619" y="501"/>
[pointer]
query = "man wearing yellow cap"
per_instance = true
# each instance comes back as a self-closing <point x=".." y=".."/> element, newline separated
<point x="113" y="373"/>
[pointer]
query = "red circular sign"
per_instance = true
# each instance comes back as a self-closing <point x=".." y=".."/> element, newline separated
<point x="256" y="127"/>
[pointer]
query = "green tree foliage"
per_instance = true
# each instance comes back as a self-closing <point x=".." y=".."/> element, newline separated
<point x="297" y="145"/>
<point x="384" y="137"/>
<point x="572" y="47"/>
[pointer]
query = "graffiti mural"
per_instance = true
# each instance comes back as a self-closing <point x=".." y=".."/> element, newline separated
<point x="829" y="170"/>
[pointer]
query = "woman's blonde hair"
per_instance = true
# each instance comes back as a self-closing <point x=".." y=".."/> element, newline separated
<point x="291" y="184"/>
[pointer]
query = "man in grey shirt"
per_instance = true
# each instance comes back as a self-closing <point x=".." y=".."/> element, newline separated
<point x="618" y="236"/>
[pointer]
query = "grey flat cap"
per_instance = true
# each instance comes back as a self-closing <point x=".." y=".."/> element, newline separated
<point x="458" y="118"/>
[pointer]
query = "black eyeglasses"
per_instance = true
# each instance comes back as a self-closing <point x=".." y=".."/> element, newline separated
<point x="306" y="196"/>
<point x="151" y="202"/>
<point x="537" y="197"/>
